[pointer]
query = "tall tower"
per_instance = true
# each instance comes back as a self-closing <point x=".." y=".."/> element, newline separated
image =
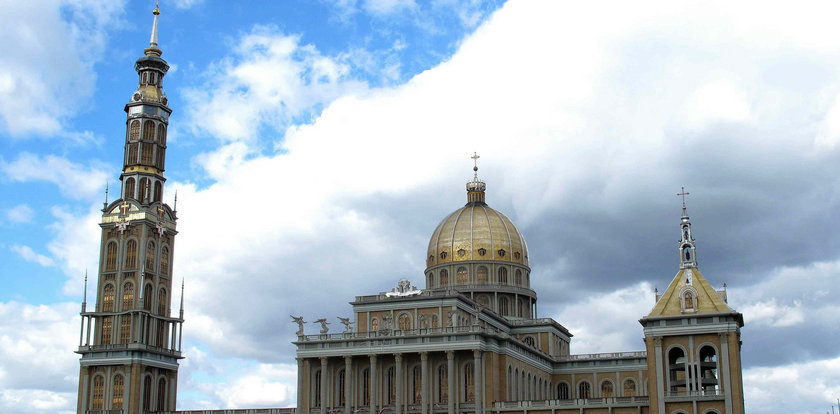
<point x="129" y="342"/>
<point x="693" y="341"/>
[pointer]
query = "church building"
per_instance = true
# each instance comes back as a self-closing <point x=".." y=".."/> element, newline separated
<point x="469" y="341"/>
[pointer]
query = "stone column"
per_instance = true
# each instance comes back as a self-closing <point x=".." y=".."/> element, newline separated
<point x="324" y="385"/>
<point x="660" y="381"/>
<point x="300" y="385"/>
<point x="372" y="384"/>
<point x="398" y="377"/>
<point x="424" y="382"/>
<point x="450" y="381"/>
<point x="348" y="389"/>
<point x="725" y="374"/>
<point x="478" y="383"/>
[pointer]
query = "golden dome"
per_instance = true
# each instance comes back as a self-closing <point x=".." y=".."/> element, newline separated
<point x="476" y="232"/>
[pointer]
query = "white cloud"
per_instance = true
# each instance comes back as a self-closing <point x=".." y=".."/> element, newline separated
<point x="75" y="246"/>
<point x="271" y="80"/>
<point x="269" y="385"/>
<point x="38" y="373"/>
<point x="72" y="179"/>
<point x="35" y="92"/>
<point x="188" y="4"/>
<point x="384" y="7"/>
<point x="29" y="255"/>
<point x="806" y="387"/>
<point x="771" y="313"/>
<point x="21" y="213"/>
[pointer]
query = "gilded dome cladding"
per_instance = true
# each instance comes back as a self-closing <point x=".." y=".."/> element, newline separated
<point x="476" y="232"/>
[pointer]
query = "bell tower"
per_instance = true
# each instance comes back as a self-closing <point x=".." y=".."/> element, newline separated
<point x="693" y="341"/>
<point x="129" y="341"/>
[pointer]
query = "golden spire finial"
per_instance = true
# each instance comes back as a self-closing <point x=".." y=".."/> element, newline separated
<point x="475" y="188"/>
<point x="153" y="41"/>
<point x="475" y="158"/>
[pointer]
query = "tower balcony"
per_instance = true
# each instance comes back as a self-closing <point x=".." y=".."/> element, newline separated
<point x="90" y="349"/>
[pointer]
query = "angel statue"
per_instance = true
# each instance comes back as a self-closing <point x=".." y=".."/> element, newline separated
<point x="324" y="323"/>
<point x="453" y="315"/>
<point x="346" y="322"/>
<point x="298" y="320"/>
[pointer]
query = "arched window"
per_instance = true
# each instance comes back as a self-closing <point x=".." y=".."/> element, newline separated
<point x="161" y="137"/>
<point x="629" y="388"/>
<point x="443" y="385"/>
<point x="149" y="131"/>
<point x="117" y="394"/>
<point x="134" y="130"/>
<point x="131" y="157"/>
<point x="131" y="254"/>
<point x="517" y="278"/>
<point x="391" y="386"/>
<point x="108" y="298"/>
<point x="125" y="328"/>
<point x="463" y="276"/>
<point x="365" y="386"/>
<point x="164" y="260"/>
<point x="563" y="391"/>
<point x="98" y="392"/>
<point x="147" y="297"/>
<point x="107" y="329"/>
<point x="481" y="274"/>
<point x="129" y="188"/>
<point x="374" y="324"/>
<point x="677" y="370"/>
<point x="444" y="277"/>
<point x="469" y="382"/>
<point x="162" y="302"/>
<point x="430" y="280"/>
<point x="503" y="279"/>
<point x="504" y="306"/>
<point x="160" y="158"/>
<point x="143" y="190"/>
<point x="607" y="389"/>
<point x="161" y="395"/>
<point x="584" y="390"/>
<point x="146" y="153"/>
<point x="128" y="296"/>
<point x="150" y="257"/>
<point x="317" y="388"/>
<point x="416" y="385"/>
<point x="404" y="322"/>
<point x="708" y="370"/>
<point x="341" y="385"/>
<point x="111" y="256"/>
<point x="158" y="191"/>
<point x="147" y="393"/>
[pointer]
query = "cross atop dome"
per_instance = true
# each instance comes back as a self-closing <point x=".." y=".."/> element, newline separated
<point x="476" y="187"/>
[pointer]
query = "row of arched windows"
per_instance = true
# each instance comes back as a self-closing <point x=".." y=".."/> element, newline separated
<point x="151" y="77"/>
<point x="151" y="131"/>
<point x="131" y="256"/>
<point x="482" y="276"/>
<point x="413" y="388"/>
<point x="109" y="294"/>
<point x="149" y="190"/>
<point x="406" y="322"/>
<point x="117" y="398"/>
<point x="701" y="375"/>
<point x="584" y="390"/>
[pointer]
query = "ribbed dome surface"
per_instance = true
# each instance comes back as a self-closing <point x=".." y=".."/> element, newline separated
<point x="476" y="232"/>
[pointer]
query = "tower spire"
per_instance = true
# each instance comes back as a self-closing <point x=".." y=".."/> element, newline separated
<point x="153" y="40"/>
<point x="84" y="298"/>
<point x="687" y="249"/>
<point x="476" y="187"/>
<point x="181" y="312"/>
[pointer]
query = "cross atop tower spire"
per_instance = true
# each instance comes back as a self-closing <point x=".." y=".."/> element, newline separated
<point x="682" y="194"/>
<point x="475" y="158"/>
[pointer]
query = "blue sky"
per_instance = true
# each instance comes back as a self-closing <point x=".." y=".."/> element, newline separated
<point x="315" y="145"/>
